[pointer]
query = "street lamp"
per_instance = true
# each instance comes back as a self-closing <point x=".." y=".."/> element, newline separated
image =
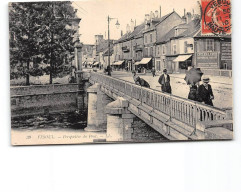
<point x="117" y="26"/>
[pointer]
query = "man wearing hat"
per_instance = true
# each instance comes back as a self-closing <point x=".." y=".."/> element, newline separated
<point x="164" y="81"/>
<point x="205" y="92"/>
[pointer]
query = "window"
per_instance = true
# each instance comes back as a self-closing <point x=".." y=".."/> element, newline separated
<point x="163" y="49"/>
<point x="174" y="49"/>
<point x="145" y="38"/>
<point x="151" y="51"/>
<point x="225" y="66"/>
<point x="146" y="51"/>
<point x="151" y="38"/>
<point x="158" y="50"/>
<point x="176" y="32"/>
<point x="209" y="45"/>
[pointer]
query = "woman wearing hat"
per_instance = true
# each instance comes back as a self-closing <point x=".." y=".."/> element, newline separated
<point x="205" y="92"/>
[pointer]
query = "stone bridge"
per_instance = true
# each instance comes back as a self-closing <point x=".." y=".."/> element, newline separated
<point x="173" y="117"/>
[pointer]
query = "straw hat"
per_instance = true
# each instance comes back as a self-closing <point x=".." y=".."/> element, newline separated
<point x="206" y="79"/>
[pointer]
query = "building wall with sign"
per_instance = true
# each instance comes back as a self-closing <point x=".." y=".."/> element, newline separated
<point x="226" y="55"/>
<point x="213" y="53"/>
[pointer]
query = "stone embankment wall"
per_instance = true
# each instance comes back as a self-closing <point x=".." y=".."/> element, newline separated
<point x="40" y="99"/>
<point x="43" y="89"/>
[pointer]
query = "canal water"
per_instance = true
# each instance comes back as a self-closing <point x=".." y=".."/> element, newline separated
<point x="76" y="120"/>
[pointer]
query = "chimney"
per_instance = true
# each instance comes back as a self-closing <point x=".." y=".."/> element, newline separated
<point x="147" y="17"/>
<point x="189" y="17"/>
<point x="98" y="39"/>
<point x="160" y="11"/>
<point x="121" y="33"/>
<point x="184" y="19"/>
<point x="156" y="14"/>
<point x="132" y="27"/>
<point x="184" y="12"/>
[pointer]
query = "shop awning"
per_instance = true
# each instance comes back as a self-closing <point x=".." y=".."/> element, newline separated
<point x="181" y="58"/>
<point x="96" y="63"/>
<point x="137" y="63"/>
<point x="145" y="61"/>
<point x="118" y="63"/>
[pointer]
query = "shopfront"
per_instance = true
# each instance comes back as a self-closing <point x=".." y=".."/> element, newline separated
<point x="182" y="63"/>
<point x="118" y="65"/>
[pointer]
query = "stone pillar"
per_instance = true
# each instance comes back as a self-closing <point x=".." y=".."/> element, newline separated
<point x="97" y="101"/>
<point x="119" y="121"/>
<point x="78" y="64"/>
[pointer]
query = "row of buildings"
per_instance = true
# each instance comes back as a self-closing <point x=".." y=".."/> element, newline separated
<point x="170" y="41"/>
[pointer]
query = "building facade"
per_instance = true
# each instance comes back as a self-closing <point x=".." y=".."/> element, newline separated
<point x="213" y="52"/>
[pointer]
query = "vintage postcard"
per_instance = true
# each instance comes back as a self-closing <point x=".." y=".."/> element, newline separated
<point x="120" y="71"/>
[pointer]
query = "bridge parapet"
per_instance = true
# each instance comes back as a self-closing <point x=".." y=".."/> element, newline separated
<point x="187" y="111"/>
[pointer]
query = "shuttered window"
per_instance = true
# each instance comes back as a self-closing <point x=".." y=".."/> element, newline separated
<point x="209" y="45"/>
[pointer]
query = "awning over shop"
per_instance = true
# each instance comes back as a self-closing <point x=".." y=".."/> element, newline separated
<point x="145" y="61"/>
<point x="118" y="63"/>
<point x="137" y="63"/>
<point x="182" y="58"/>
<point x="96" y="63"/>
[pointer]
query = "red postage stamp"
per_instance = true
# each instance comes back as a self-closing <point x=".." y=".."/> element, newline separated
<point x="216" y="17"/>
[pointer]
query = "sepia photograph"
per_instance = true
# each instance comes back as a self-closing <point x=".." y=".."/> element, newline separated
<point x="101" y="71"/>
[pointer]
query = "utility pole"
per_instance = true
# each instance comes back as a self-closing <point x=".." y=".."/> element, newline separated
<point x="108" y="40"/>
<point x="117" y="26"/>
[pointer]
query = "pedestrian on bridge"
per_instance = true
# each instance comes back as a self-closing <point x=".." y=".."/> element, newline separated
<point x="164" y="81"/>
<point x="205" y="92"/>
<point x="140" y="81"/>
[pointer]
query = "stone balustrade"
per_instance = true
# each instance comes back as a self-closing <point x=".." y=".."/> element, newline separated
<point x="177" y="108"/>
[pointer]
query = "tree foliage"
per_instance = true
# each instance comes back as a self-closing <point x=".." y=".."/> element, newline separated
<point x="41" y="33"/>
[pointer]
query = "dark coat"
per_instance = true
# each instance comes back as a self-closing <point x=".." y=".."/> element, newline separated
<point x="193" y="93"/>
<point x="141" y="82"/>
<point x="205" y="95"/>
<point x="108" y="70"/>
<point x="165" y="83"/>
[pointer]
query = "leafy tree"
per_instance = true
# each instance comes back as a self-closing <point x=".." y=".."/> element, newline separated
<point x="23" y="27"/>
<point x="57" y="40"/>
<point x="41" y="32"/>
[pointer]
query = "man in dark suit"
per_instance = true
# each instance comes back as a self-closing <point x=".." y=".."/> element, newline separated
<point x="205" y="92"/>
<point x="164" y="81"/>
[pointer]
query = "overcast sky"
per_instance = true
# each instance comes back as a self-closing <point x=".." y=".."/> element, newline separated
<point x="94" y="14"/>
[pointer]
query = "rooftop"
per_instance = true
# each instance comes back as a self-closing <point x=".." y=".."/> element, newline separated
<point x="191" y="29"/>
